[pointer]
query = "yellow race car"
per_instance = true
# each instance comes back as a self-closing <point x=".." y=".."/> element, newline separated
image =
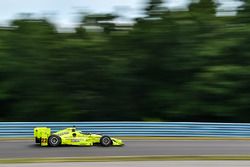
<point x="72" y="136"/>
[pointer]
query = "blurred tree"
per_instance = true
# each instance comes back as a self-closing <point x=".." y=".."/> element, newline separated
<point x="5" y="97"/>
<point x="154" y="8"/>
<point x="103" y="20"/>
<point x="217" y="90"/>
<point x="170" y="65"/>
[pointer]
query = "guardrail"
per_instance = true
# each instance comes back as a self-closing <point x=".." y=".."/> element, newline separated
<point x="192" y="129"/>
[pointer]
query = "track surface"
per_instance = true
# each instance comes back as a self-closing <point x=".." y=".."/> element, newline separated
<point x="27" y="149"/>
<point x="140" y="164"/>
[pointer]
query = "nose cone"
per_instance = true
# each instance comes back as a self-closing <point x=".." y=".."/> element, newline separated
<point x="117" y="142"/>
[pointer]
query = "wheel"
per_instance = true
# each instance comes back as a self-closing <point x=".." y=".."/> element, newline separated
<point x="106" y="141"/>
<point x="54" y="140"/>
<point x="38" y="140"/>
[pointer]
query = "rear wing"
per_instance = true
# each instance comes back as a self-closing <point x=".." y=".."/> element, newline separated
<point x="41" y="135"/>
<point x="41" y="132"/>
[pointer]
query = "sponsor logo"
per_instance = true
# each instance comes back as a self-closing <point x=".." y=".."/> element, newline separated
<point x="63" y="133"/>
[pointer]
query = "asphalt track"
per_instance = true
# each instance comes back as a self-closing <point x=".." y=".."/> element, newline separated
<point x="139" y="164"/>
<point x="28" y="149"/>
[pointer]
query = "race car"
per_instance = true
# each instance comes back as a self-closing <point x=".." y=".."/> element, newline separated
<point x="72" y="136"/>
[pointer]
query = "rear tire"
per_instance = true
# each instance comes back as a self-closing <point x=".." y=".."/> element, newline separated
<point x="38" y="140"/>
<point x="106" y="141"/>
<point x="54" y="141"/>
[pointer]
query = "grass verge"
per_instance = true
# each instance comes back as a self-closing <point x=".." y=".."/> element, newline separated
<point x="125" y="158"/>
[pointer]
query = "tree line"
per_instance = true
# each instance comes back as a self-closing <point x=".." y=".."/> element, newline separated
<point x="188" y="65"/>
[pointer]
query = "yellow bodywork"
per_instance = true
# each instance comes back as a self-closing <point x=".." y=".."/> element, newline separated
<point x="71" y="136"/>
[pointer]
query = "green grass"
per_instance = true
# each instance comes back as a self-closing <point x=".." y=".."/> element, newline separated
<point x="124" y="158"/>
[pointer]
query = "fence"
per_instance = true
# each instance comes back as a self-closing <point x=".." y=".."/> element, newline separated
<point x="192" y="129"/>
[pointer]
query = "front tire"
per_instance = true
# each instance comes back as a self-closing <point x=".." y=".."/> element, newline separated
<point x="54" y="141"/>
<point x="106" y="141"/>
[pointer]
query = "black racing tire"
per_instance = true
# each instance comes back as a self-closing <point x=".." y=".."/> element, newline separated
<point x="54" y="141"/>
<point x="106" y="141"/>
<point x="38" y="140"/>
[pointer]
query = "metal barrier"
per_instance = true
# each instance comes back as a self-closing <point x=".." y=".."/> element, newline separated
<point x="192" y="129"/>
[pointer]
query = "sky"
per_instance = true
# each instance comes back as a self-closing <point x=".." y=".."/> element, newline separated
<point x="65" y="13"/>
